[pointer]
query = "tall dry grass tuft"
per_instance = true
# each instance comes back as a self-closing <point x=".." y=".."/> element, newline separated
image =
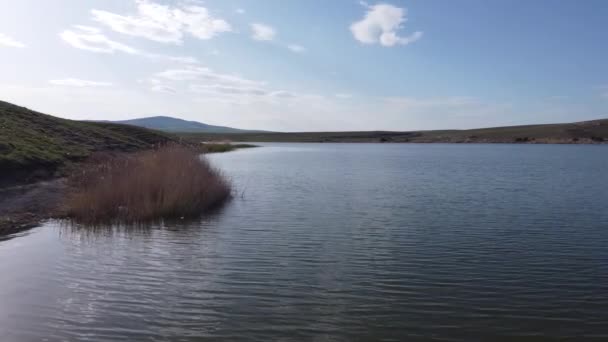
<point x="171" y="182"/>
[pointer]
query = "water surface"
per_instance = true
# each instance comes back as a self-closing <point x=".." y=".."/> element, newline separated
<point x="339" y="242"/>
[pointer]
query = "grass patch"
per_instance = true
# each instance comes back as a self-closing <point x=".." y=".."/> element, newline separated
<point x="171" y="182"/>
<point x="35" y="145"/>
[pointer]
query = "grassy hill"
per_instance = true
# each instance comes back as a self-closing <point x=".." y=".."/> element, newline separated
<point x="169" y="124"/>
<point x="570" y="133"/>
<point x="35" y="145"/>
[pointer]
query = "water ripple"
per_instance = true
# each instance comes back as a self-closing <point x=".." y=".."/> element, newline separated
<point x="339" y="243"/>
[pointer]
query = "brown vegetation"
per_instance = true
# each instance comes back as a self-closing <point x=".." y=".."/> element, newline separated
<point x="222" y="147"/>
<point x="171" y="182"/>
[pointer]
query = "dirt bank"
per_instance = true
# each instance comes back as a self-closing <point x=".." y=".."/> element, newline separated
<point x="25" y="206"/>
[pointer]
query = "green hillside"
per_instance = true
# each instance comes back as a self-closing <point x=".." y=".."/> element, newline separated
<point x="32" y="143"/>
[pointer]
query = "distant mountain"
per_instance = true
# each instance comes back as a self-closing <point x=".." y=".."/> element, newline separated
<point x="169" y="124"/>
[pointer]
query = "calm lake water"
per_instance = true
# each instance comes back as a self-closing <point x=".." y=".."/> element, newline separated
<point x="339" y="242"/>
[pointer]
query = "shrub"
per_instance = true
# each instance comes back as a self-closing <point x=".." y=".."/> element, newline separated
<point x="171" y="182"/>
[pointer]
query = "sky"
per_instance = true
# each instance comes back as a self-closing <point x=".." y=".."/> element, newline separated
<point x="313" y="65"/>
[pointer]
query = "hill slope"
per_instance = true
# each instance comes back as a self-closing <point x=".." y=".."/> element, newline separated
<point x="32" y="142"/>
<point x="571" y="133"/>
<point x="169" y="124"/>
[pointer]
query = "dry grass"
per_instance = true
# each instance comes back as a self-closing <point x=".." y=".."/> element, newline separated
<point x="171" y="182"/>
<point x="223" y="147"/>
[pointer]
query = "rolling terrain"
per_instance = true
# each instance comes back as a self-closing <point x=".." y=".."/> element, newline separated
<point x="570" y="133"/>
<point x="35" y="145"/>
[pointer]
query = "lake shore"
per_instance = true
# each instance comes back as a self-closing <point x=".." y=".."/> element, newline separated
<point x="393" y="232"/>
<point x="25" y="206"/>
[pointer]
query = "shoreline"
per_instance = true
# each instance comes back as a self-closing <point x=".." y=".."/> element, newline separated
<point x="586" y="132"/>
<point x="25" y="206"/>
<point x="304" y="138"/>
<point x="585" y="143"/>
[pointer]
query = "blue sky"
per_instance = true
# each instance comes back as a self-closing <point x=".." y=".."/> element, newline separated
<point x="309" y="65"/>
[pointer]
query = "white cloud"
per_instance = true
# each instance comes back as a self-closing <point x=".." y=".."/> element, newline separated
<point x="229" y="90"/>
<point x="75" y="82"/>
<point x="159" y="86"/>
<point x="91" y="39"/>
<point x="240" y="11"/>
<point x="187" y="74"/>
<point x="296" y="48"/>
<point x="215" y="86"/>
<point x="344" y="96"/>
<point x="164" y="24"/>
<point x="176" y="59"/>
<point x="441" y="102"/>
<point x="10" y="42"/>
<point x="262" y="32"/>
<point x="207" y="75"/>
<point x="283" y="94"/>
<point x="381" y="25"/>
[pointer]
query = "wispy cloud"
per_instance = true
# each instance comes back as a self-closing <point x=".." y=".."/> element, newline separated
<point x="450" y="101"/>
<point x="206" y="74"/>
<point x="240" y="11"/>
<point x="75" y="82"/>
<point x="262" y="32"/>
<point x="176" y="59"/>
<point x="296" y="48"/>
<point x="91" y="39"/>
<point x="223" y="89"/>
<point x="10" y="42"/>
<point x="381" y="25"/>
<point x="283" y="94"/>
<point x="163" y="23"/>
<point x="212" y="85"/>
<point x="159" y="86"/>
<point x="344" y="96"/>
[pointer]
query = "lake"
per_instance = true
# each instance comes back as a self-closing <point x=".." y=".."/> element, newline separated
<point x="339" y="242"/>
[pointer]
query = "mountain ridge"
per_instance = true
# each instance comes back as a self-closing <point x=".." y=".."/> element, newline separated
<point x="174" y="125"/>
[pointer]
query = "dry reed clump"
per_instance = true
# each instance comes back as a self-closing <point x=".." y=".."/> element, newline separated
<point x="171" y="182"/>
